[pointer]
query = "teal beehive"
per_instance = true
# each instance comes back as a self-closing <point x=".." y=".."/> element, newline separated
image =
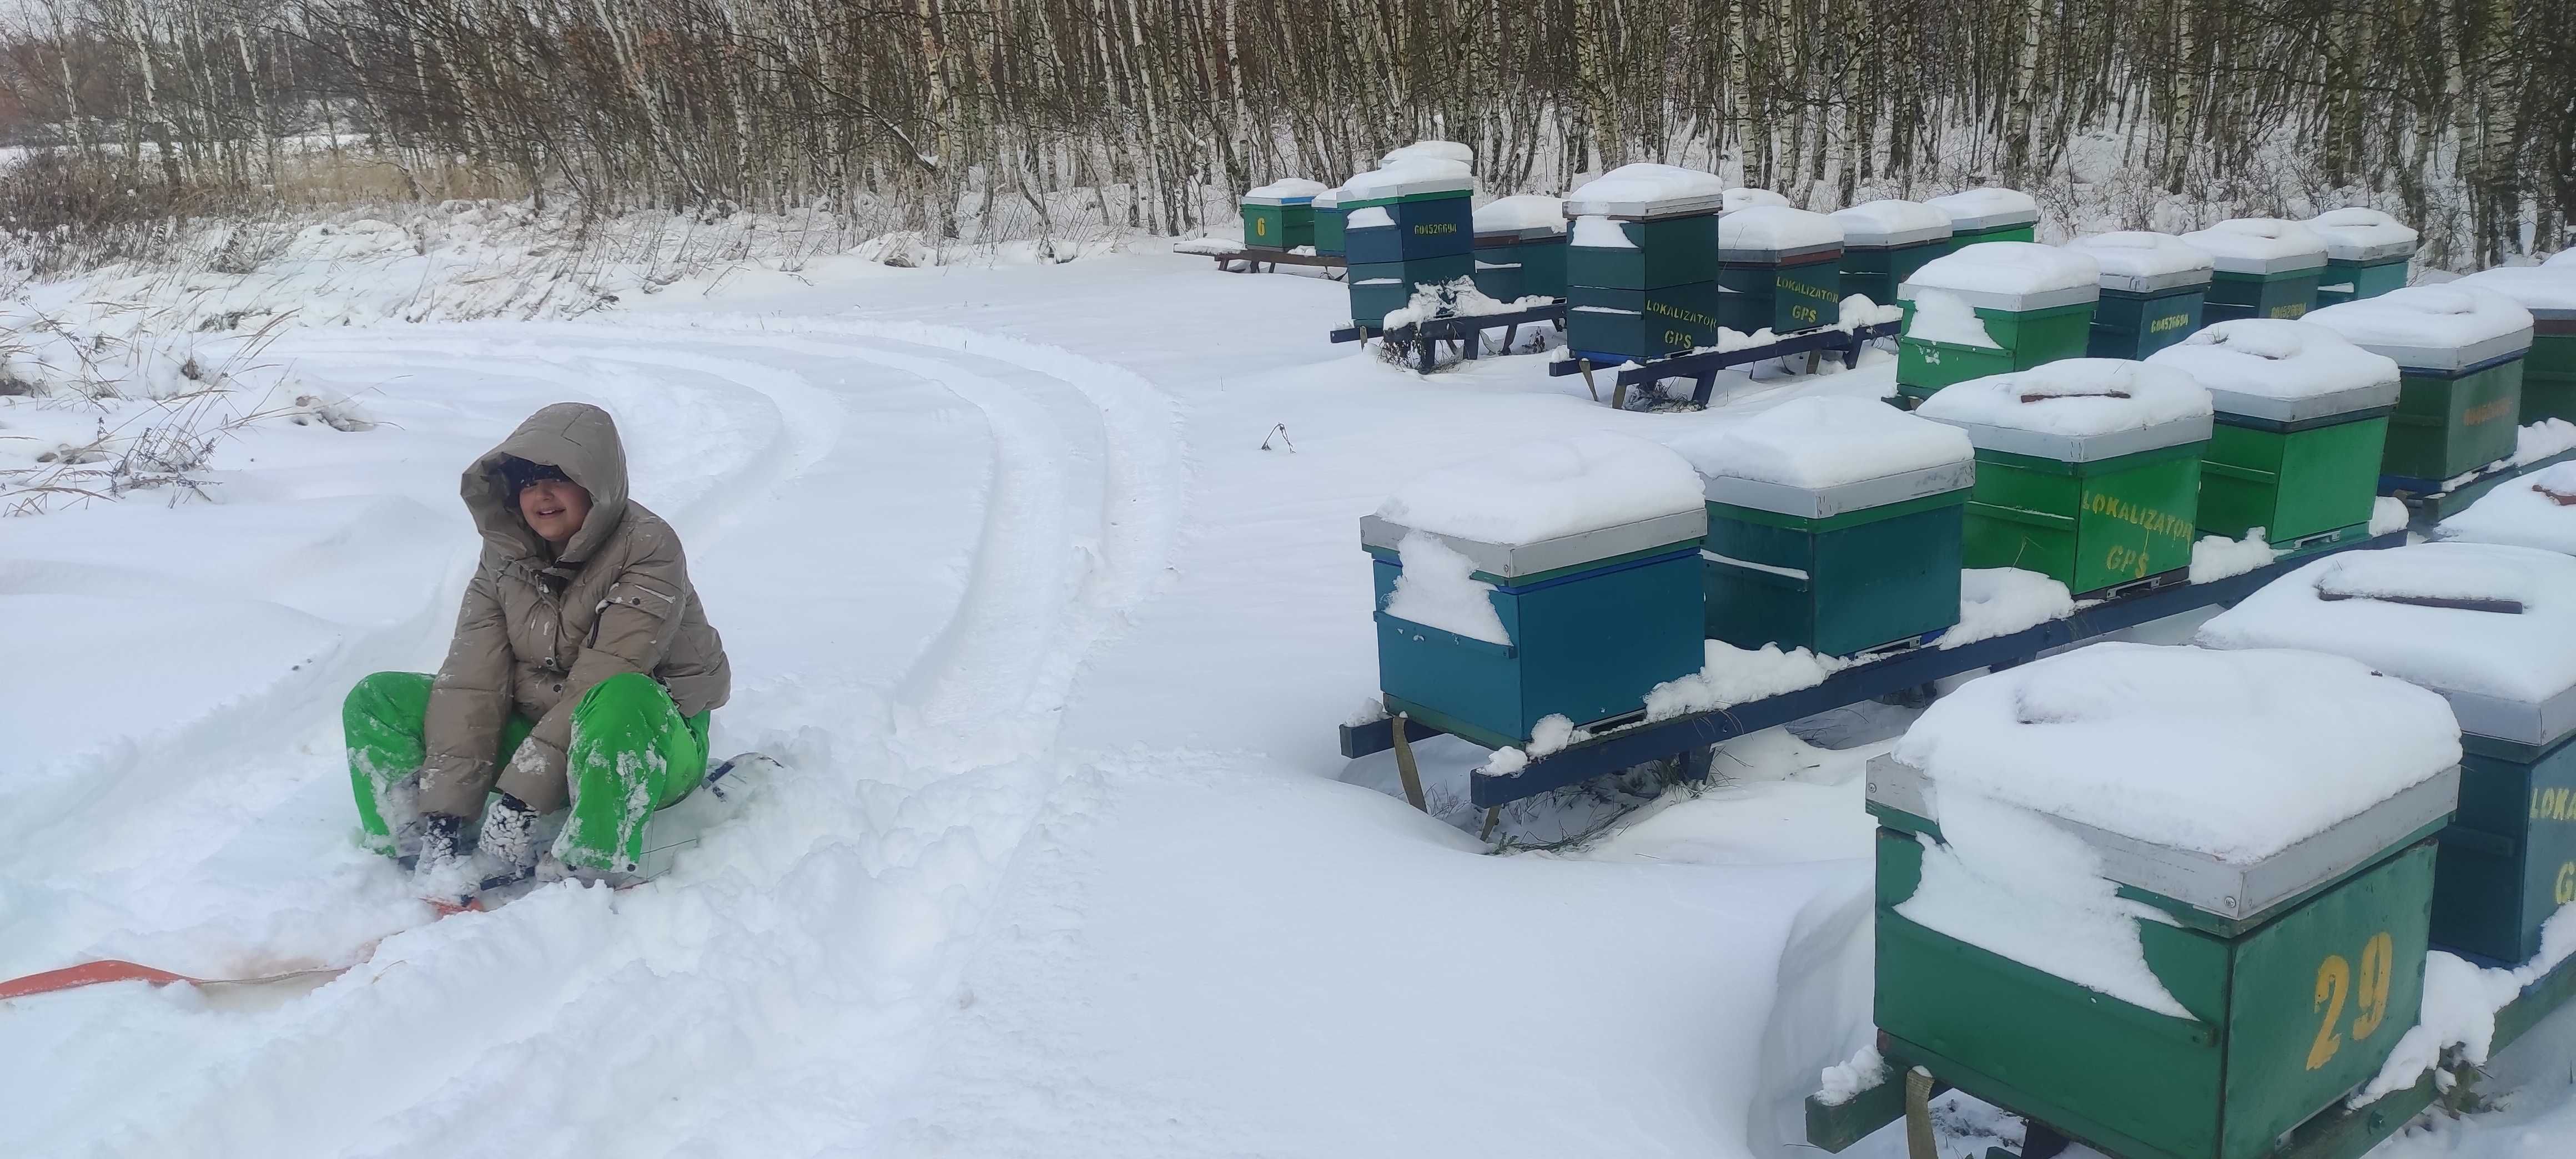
<point x="1554" y="579"/>
<point x="2153" y="287"/>
<point x="1884" y="242"/>
<point x="1641" y="264"/>
<point x="2368" y="254"/>
<point x="1520" y="248"/>
<point x="2490" y="628"/>
<point x="1833" y="524"/>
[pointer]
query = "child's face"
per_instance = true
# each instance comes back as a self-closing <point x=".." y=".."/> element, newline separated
<point x="554" y="509"/>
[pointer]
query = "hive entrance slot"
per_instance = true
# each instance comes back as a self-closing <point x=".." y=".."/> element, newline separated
<point x="2118" y="394"/>
<point x="2457" y="603"/>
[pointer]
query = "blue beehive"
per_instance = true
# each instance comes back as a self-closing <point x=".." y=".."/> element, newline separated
<point x="1587" y="617"/>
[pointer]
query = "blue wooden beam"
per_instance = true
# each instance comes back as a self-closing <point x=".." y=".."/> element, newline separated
<point x="1704" y="364"/>
<point x="1625" y="748"/>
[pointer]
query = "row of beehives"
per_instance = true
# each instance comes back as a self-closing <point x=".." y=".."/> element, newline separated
<point x="2115" y="862"/>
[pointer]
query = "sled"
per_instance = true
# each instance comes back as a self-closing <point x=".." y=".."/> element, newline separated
<point x="676" y="828"/>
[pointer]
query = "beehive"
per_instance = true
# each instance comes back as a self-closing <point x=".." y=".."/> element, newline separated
<point x="2088" y="470"/>
<point x="2301" y="421"/>
<point x="2153" y="287"/>
<point x="2462" y="351"/>
<point x="1833" y="525"/>
<point x="2493" y="630"/>
<point x="2170" y="901"/>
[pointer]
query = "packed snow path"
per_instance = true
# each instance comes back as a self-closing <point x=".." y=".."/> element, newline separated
<point x="1055" y="496"/>
<point x="1061" y="865"/>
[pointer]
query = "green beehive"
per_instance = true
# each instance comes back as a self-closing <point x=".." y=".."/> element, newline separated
<point x="2088" y="469"/>
<point x="1641" y="263"/>
<point x="1993" y="309"/>
<point x="2302" y="418"/>
<point x="1280" y="215"/>
<point x="1520" y="248"/>
<point x="1885" y="242"/>
<point x="2164" y="964"/>
<point x="1992" y="213"/>
<point x="1327" y="209"/>
<point x="2549" y="372"/>
<point x="2462" y="351"/>
<point x="2153" y="285"/>
<point x="2489" y="627"/>
<point x="1379" y="287"/>
<point x="1595" y="607"/>
<point x="2367" y="254"/>
<point x="1833" y="525"/>
<point x="2265" y="268"/>
<point x="1779" y="269"/>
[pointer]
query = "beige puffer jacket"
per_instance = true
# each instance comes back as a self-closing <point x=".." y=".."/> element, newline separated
<point x="538" y="630"/>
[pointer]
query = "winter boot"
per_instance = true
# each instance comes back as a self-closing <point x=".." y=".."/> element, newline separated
<point x="507" y="853"/>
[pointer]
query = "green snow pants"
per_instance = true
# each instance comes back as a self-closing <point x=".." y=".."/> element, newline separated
<point x="632" y="753"/>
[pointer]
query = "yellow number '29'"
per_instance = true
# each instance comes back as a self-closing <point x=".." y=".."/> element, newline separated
<point x="2335" y="983"/>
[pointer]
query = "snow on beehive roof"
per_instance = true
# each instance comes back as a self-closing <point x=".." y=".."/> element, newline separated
<point x="1600" y="233"/>
<point x="2137" y="253"/>
<point x="2537" y="511"/>
<point x="1525" y="211"/>
<point x="2561" y="258"/>
<point x="1329" y="198"/>
<point x="2233" y="754"/>
<point x="1991" y="204"/>
<point x="2073" y="398"/>
<point x="1747" y="197"/>
<point x="1546" y="490"/>
<point x="2276" y="358"/>
<point x="1777" y="227"/>
<point x="2359" y="233"/>
<point x="1891" y="222"/>
<point x="2260" y="245"/>
<point x="1409" y="176"/>
<point x="2449" y="317"/>
<point x="2010" y="268"/>
<point x="1287" y="187"/>
<point x="2395" y="611"/>
<point x="1820" y="442"/>
<point x="2545" y="291"/>
<point x="1450" y="151"/>
<point x="1646" y="188"/>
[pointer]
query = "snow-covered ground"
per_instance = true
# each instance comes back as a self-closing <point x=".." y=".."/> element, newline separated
<point x="1064" y="861"/>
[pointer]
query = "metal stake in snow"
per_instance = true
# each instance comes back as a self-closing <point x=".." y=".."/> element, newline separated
<point x="1918" y="1115"/>
<point x="1405" y="767"/>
